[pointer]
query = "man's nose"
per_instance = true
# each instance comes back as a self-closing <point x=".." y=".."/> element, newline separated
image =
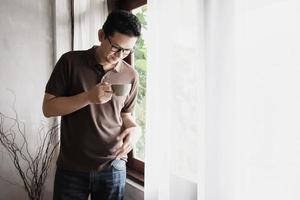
<point x="119" y="54"/>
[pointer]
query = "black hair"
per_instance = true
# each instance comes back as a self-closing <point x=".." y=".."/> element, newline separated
<point x="122" y="21"/>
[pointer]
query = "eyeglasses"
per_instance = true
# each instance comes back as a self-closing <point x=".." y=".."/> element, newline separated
<point x="117" y="49"/>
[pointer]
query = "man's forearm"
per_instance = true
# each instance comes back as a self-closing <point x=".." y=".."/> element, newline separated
<point x="59" y="106"/>
<point x="128" y="120"/>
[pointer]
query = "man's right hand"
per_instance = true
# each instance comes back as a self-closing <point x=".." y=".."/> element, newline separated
<point x="59" y="106"/>
<point x="100" y="94"/>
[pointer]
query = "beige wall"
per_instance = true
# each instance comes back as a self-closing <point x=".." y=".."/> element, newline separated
<point x="32" y="34"/>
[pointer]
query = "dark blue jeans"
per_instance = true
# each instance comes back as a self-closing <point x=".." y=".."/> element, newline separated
<point x="108" y="184"/>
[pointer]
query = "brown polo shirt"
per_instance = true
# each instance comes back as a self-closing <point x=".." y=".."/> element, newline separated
<point x="88" y="135"/>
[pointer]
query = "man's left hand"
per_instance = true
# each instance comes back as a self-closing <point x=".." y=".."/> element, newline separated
<point x="129" y="136"/>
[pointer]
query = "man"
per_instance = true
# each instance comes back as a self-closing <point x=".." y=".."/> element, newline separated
<point x="97" y="127"/>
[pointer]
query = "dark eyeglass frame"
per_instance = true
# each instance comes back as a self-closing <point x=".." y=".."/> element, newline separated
<point x="117" y="49"/>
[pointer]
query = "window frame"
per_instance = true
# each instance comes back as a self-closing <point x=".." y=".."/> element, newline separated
<point x="136" y="167"/>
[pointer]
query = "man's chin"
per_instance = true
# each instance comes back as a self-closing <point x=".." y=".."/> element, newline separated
<point x="112" y="62"/>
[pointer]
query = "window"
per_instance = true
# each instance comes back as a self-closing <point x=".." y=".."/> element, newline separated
<point x="138" y="60"/>
<point x="140" y="64"/>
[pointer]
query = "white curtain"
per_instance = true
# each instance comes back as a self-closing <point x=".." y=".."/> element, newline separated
<point x="223" y="100"/>
<point x="89" y="16"/>
<point x="175" y="100"/>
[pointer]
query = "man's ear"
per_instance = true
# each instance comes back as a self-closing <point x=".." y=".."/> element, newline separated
<point x="101" y="35"/>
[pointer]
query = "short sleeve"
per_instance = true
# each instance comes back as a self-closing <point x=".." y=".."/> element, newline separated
<point x="58" y="82"/>
<point x="132" y="97"/>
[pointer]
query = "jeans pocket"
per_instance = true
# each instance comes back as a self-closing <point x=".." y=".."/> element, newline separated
<point x="119" y="164"/>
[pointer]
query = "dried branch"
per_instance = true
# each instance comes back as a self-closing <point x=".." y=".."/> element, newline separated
<point x="31" y="167"/>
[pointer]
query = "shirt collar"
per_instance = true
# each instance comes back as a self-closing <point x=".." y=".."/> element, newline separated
<point x="119" y="66"/>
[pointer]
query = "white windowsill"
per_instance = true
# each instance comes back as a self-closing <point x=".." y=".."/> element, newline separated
<point x="133" y="191"/>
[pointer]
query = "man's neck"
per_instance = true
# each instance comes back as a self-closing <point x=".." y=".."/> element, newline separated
<point x="108" y="67"/>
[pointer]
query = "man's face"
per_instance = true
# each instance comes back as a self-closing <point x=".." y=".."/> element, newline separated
<point x="116" y="47"/>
